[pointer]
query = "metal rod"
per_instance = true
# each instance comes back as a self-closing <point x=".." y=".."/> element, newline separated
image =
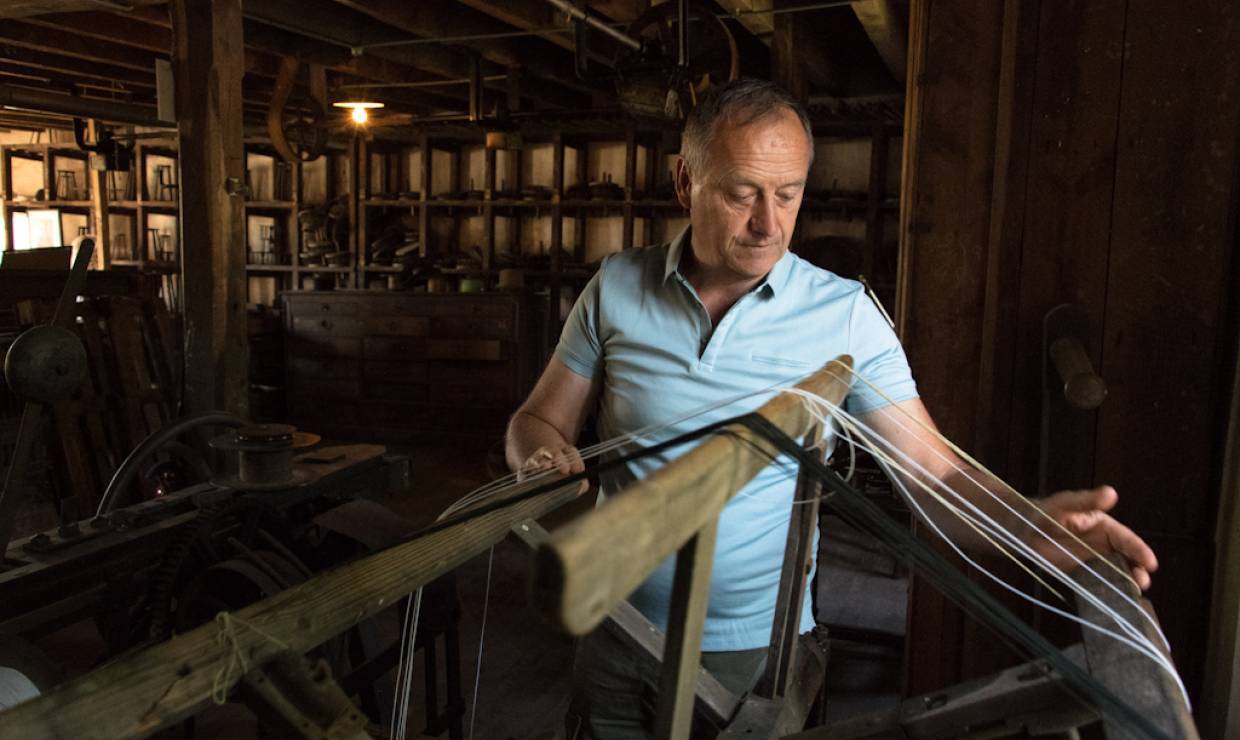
<point x="682" y="33"/>
<point x="608" y="28"/>
<point x="424" y="83"/>
<point x="577" y="14"/>
<point x="40" y="100"/>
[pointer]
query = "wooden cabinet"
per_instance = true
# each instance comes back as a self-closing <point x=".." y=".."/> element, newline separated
<point x="409" y="366"/>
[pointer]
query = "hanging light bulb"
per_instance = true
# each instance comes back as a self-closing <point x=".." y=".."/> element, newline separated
<point x="358" y="109"/>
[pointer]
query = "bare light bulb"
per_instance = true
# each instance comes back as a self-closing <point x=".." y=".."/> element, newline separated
<point x="359" y="115"/>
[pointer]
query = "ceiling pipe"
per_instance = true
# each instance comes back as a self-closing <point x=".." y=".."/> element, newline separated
<point x="577" y="14"/>
<point x="38" y="100"/>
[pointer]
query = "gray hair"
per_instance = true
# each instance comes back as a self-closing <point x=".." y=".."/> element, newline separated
<point x="740" y="102"/>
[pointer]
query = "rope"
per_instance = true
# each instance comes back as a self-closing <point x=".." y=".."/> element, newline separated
<point x="226" y="638"/>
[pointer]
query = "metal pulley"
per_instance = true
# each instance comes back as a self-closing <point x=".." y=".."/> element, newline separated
<point x="264" y="455"/>
<point x="45" y="364"/>
<point x="685" y="50"/>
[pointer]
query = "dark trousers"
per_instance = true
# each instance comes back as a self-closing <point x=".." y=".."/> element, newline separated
<point x="614" y="690"/>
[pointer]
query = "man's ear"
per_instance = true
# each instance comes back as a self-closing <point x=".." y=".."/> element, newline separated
<point x="684" y="184"/>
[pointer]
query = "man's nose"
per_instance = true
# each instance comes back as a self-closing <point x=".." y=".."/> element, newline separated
<point x="762" y="217"/>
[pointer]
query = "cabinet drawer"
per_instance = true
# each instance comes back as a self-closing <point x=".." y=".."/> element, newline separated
<point x="472" y="327"/>
<point x="477" y="373"/>
<point x="394" y="349"/>
<point x="322" y="344"/>
<point x="333" y="325"/>
<point x="465" y="349"/>
<point x="402" y="392"/>
<point x="326" y="366"/>
<point x="478" y="394"/>
<point x="322" y="307"/>
<point x="394" y="371"/>
<point x="401" y="326"/>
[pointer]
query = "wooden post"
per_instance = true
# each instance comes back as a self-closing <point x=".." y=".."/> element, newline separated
<point x="685" y="622"/>
<point x="787" y="58"/>
<point x="874" y="203"/>
<point x="208" y="59"/>
<point x="6" y="185"/>
<point x="98" y="184"/>
<point x="798" y="561"/>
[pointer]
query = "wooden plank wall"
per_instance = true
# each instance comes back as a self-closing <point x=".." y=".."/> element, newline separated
<point x="1111" y="184"/>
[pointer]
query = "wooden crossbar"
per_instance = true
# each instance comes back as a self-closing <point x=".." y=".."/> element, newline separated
<point x="589" y="566"/>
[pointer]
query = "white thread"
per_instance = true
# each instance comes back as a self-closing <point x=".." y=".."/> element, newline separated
<point x="482" y="632"/>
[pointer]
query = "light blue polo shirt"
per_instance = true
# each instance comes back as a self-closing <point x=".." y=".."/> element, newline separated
<point x="640" y="328"/>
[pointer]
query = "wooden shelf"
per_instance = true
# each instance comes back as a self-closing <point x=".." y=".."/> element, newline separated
<point x="269" y="268"/>
<point x="270" y="205"/>
<point x="331" y="268"/>
<point x="47" y="204"/>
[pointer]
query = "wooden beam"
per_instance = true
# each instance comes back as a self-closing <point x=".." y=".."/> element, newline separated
<point x="429" y="21"/>
<point x="799" y="58"/>
<point x="116" y="28"/>
<point x="159" y="687"/>
<point x="1143" y="684"/>
<point x="208" y="69"/>
<point x="21" y="8"/>
<point x="29" y="36"/>
<point x="761" y="25"/>
<point x="594" y="563"/>
<point x="532" y="15"/>
<point x="58" y="63"/>
<point x="98" y="178"/>
<point x="882" y="24"/>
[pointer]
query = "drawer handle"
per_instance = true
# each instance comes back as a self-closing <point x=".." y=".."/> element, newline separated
<point x="327" y="307"/>
<point x="325" y="324"/>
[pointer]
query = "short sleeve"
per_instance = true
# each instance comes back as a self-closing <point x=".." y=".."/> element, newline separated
<point x="879" y="359"/>
<point x="579" y="347"/>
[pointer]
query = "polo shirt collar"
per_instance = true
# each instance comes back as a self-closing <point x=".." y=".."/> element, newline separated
<point x="774" y="280"/>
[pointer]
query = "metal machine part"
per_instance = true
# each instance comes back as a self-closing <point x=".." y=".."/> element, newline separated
<point x="264" y="455"/>
<point x="685" y="50"/>
<point x="45" y="364"/>
<point x="109" y="570"/>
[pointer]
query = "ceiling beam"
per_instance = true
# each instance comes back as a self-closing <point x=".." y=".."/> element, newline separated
<point x="28" y="36"/>
<point x="111" y="27"/>
<point x="759" y="24"/>
<point x="340" y="25"/>
<point x="21" y="8"/>
<point x="882" y="23"/>
<point x="94" y="71"/>
<point x="427" y="20"/>
<point x="130" y="49"/>
<point x="532" y="15"/>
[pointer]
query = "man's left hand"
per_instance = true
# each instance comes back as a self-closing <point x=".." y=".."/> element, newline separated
<point x="1084" y="514"/>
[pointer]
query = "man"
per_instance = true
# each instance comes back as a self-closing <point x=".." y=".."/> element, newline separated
<point x="722" y="311"/>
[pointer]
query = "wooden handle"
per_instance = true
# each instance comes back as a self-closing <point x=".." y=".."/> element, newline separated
<point x="589" y="566"/>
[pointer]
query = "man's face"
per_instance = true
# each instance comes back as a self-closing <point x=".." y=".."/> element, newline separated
<point x="743" y="208"/>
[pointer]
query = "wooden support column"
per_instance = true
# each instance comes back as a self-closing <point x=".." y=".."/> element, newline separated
<point x="786" y="68"/>
<point x="208" y="59"/>
<point x="97" y="182"/>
